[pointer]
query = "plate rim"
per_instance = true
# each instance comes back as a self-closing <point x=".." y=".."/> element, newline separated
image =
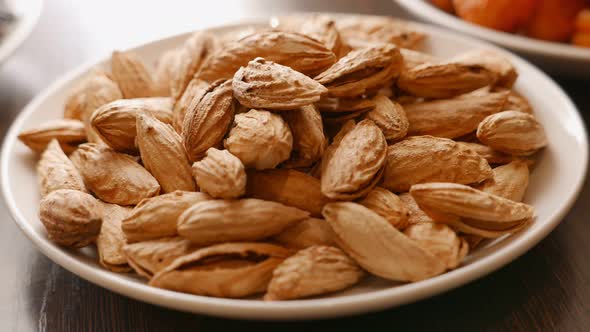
<point x="21" y="30"/>
<point x="427" y="11"/>
<point x="288" y="310"/>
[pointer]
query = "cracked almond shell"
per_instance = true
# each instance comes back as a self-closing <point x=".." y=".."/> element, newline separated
<point x="150" y="257"/>
<point x="231" y="270"/>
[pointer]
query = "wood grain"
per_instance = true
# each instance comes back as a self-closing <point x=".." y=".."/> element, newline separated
<point x="547" y="289"/>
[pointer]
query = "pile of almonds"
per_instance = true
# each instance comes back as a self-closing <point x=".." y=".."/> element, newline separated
<point x="292" y="159"/>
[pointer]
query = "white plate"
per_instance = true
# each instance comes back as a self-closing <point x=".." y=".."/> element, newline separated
<point x="554" y="57"/>
<point x="27" y="13"/>
<point x="554" y="186"/>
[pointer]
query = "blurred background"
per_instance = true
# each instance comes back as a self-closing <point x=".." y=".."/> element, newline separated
<point x="71" y="32"/>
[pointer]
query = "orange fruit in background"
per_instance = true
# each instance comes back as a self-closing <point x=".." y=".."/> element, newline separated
<point x="583" y="21"/>
<point x="581" y="39"/>
<point x="505" y="15"/>
<point x="446" y="5"/>
<point x="554" y="20"/>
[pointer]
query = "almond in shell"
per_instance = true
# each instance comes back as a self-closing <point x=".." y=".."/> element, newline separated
<point x="166" y="66"/>
<point x="375" y="245"/>
<point x="115" y="122"/>
<point x="464" y="201"/>
<point x="56" y="171"/>
<point x="421" y="159"/>
<point x="69" y="133"/>
<point x="489" y="154"/>
<point x="307" y="233"/>
<point x="71" y="218"/>
<point x="132" y="76"/>
<point x="260" y="139"/>
<point x="363" y="70"/>
<point x="194" y="52"/>
<point x="388" y="205"/>
<point x="265" y="84"/>
<point x="444" y="80"/>
<point x="452" y="118"/>
<point x="289" y="187"/>
<point x="313" y="271"/>
<point x="114" y="177"/>
<point x="111" y="239"/>
<point x="195" y="90"/>
<point x="493" y="61"/>
<point x="512" y="132"/>
<point x="207" y="120"/>
<point x="299" y="52"/>
<point x="509" y="181"/>
<point x="163" y="154"/>
<point x="353" y="168"/>
<point x="309" y="141"/>
<point x="439" y="240"/>
<point x="248" y="219"/>
<point x="100" y="90"/>
<point x="317" y="26"/>
<point x="220" y="174"/>
<point x="157" y="217"/>
<point x="359" y="31"/>
<point x="390" y="117"/>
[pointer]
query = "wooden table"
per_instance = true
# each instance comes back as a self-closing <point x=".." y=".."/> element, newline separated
<point x="548" y="289"/>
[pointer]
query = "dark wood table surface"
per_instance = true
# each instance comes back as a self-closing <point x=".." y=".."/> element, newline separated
<point x="547" y="289"/>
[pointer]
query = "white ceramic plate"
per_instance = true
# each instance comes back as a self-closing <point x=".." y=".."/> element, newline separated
<point x="554" y="57"/>
<point x="554" y="186"/>
<point x="27" y="12"/>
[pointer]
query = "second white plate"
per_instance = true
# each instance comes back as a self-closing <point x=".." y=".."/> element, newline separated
<point x="556" y="58"/>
